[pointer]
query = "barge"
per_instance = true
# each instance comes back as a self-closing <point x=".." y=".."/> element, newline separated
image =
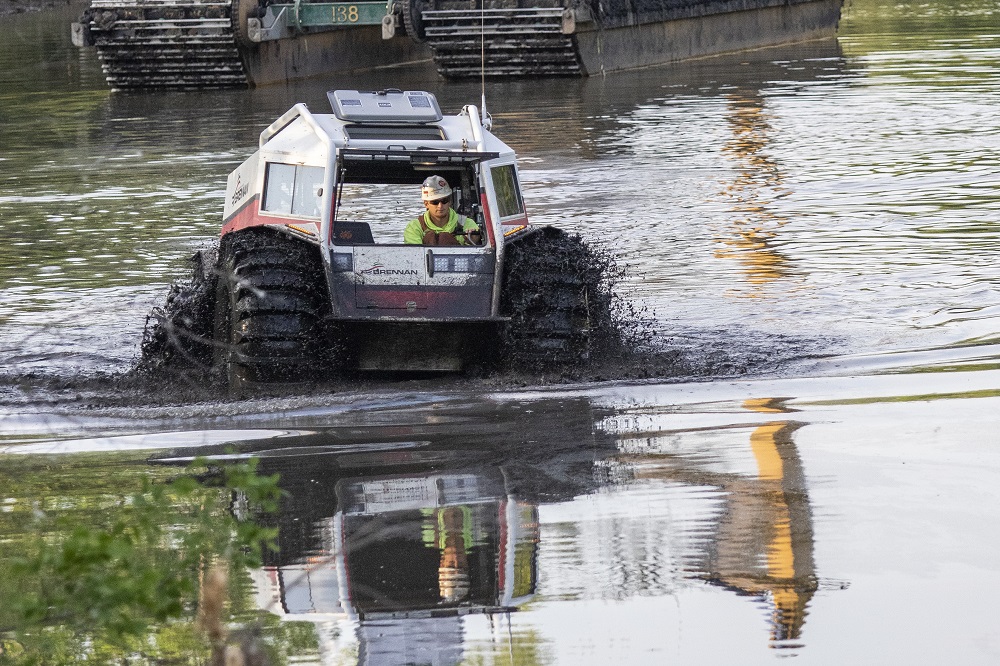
<point x="217" y="43"/>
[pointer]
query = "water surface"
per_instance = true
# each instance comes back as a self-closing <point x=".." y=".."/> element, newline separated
<point x="813" y="229"/>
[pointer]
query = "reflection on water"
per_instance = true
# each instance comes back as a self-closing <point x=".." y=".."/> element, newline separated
<point x="761" y="541"/>
<point x="758" y="181"/>
<point x="775" y="509"/>
<point x="404" y="557"/>
<point x="848" y="186"/>
<point x="412" y="546"/>
<point x="584" y="526"/>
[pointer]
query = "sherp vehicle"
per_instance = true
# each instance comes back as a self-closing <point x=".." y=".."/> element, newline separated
<point x="313" y="274"/>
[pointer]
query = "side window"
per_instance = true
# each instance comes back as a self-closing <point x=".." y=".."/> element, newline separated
<point x="293" y="189"/>
<point x="508" y="191"/>
<point x="280" y="179"/>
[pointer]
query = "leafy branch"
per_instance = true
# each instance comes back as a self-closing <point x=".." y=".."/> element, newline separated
<point x="138" y="569"/>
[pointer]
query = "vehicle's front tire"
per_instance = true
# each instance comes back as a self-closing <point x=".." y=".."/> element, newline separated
<point x="552" y="292"/>
<point x="270" y="304"/>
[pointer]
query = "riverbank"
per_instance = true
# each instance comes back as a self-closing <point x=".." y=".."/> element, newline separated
<point x="8" y="7"/>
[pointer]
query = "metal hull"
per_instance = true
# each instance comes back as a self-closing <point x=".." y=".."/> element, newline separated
<point x="205" y="44"/>
<point x="336" y="51"/>
<point x="392" y="346"/>
<point x="633" y="46"/>
<point x="547" y="40"/>
<point x="212" y="43"/>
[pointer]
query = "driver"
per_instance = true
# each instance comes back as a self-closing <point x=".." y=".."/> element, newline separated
<point x="440" y="224"/>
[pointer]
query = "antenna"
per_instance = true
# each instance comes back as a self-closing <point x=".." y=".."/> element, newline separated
<point x="485" y="119"/>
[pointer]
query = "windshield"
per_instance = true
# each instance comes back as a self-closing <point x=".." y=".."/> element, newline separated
<point x="386" y="209"/>
<point x="371" y="212"/>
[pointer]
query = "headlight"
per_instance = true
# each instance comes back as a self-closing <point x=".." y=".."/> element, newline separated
<point x="343" y="262"/>
<point x="461" y="263"/>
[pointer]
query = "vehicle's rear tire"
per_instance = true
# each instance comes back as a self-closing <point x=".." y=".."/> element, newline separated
<point x="552" y="292"/>
<point x="272" y="298"/>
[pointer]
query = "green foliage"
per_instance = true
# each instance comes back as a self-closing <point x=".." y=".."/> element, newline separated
<point x="126" y="584"/>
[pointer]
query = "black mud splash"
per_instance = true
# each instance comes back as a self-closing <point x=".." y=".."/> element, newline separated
<point x="569" y="324"/>
<point x="560" y="294"/>
<point x="178" y="339"/>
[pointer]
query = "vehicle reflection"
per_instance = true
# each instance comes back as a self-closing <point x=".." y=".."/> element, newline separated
<point x="392" y="535"/>
<point x="388" y="546"/>
<point x="404" y="558"/>
<point x="779" y="568"/>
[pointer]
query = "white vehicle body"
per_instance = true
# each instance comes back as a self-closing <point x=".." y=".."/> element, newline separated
<point x="300" y="181"/>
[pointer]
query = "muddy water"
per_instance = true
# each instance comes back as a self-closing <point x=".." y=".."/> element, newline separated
<point x="812" y="232"/>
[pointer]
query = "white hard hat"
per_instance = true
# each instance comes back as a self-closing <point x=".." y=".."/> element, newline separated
<point x="435" y="188"/>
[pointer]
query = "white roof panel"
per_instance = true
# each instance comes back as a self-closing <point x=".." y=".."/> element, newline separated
<point x="392" y="105"/>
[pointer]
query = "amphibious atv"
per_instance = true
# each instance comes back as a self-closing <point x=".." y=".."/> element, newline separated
<point x="313" y="274"/>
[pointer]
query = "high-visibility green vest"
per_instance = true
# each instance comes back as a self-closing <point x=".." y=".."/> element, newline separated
<point x="423" y="231"/>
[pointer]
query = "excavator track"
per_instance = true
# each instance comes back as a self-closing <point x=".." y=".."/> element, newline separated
<point x="166" y="43"/>
<point x="500" y="43"/>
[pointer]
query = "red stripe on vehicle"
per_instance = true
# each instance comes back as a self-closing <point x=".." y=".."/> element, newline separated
<point x="431" y="302"/>
<point x="244" y="216"/>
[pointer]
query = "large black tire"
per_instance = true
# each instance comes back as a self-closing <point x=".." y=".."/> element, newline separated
<point x="272" y="298"/>
<point x="555" y="294"/>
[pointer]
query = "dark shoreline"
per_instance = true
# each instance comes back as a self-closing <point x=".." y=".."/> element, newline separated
<point x="8" y="7"/>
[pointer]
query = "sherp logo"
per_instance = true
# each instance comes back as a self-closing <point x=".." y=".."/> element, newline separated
<point x="241" y="189"/>
<point x="379" y="269"/>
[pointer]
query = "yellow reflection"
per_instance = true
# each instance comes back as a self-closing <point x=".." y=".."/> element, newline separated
<point x="763" y="540"/>
<point x="757" y="182"/>
<point x="767" y="405"/>
<point x="769" y="463"/>
<point x="775" y="506"/>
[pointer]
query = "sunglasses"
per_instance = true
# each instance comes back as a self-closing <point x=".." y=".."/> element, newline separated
<point x="438" y="202"/>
